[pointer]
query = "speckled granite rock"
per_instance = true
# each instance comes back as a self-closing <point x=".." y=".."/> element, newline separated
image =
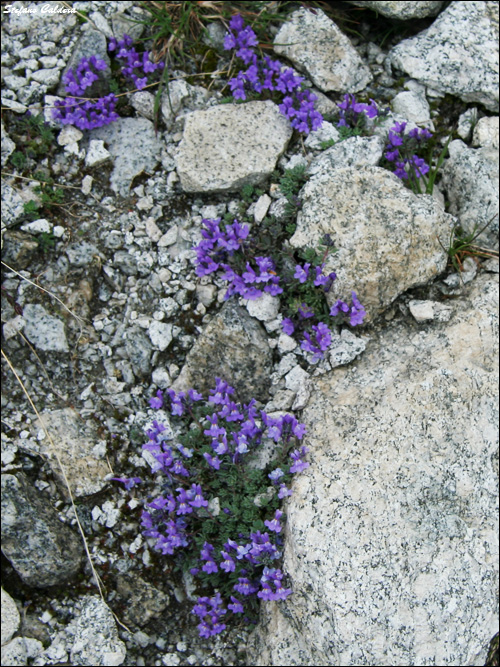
<point x="392" y="533"/>
<point x="134" y="148"/>
<point x="316" y="46"/>
<point x="387" y="237"/>
<point x="96" y="640"/>
<point x="470" y="179"/>
<point x="402" y="10"/>
<point x="233" y="347"/>
<point x="42" y="550"/>
<point x="231" y="145"/>
<point x="458" y="54"/>
<point x="79" y="449"/>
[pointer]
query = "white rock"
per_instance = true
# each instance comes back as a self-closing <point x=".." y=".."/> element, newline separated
<point x="143" y="102"/>
<point x="227" y="146"/>
<point x="352" y="152"/>
<point x="414" y="107"/>
<point x="69" y="135"/>
<point x="296" y="378"/>
<point x="206" y="294"/>
<point x="87" y="184"/>
<point x="457" y="54"/>
<point x="169" y="238"/>
<point x="261" y="207"/>
<point x="48" y="77"/>
<point x="401" y="10"/>
<point x="393" y="244"/>
<point x="96" y="640"/>
<point x="10" y="617"/>
<point x="152" y="230"/>
<point x="286" y="343"/>
<point x="265" y="308"/>
<point x="96" y="153"/>
<point x="345" y="348"/>
<point x="327" y="132"/>
<point x="314" y="44"/>
<point x="466" y="121"/>
<point x="395" y="522"/>
<point x="422" y="311"/>
<point x="160" y="334"/>
<point x="40" y="226"/>
<point x="44" y="331"/>
<point x="486" y="132"/>
<point x="470" y="180"/>
<point x="134" y="148"/>
<point x="13" y="326"/>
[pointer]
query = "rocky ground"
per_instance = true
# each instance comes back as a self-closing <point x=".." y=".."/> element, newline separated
<point x="101" y="306"/>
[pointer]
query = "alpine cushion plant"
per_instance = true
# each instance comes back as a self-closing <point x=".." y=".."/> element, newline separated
<point x="87" y="114"/>
<point x="265" y="74"/>
<point x="402" y="150"/>
<point x="230" y="543"/>
<point x="228" y="252"/>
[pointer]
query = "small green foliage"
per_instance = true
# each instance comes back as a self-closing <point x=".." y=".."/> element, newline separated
<point x="461" y="245"/>
<point x="327" y="144"/>
<point x="247" y="192"/>
<point x="348" y="132"/>
<point x="82" y="16"/>
<point x="292" y="180"/>
<point x="31" y="209"/>
<point x="433" y="171"/>
<point x="50" y="196"/>
<point x="46" y="241"/>
<point x="19" y="160"/>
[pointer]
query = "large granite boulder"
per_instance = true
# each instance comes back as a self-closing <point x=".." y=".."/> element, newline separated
<point x="392" y="532"/>
<point x="387" y="238"/>
<point x="231" y="145"/>
<point x="458" y="54"/>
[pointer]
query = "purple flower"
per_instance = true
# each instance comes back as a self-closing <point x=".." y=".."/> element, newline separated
<point x="305" y="311"/>
<point x="298" y="465"/>
<point x="358" y="311"/>
<point x="197" y="496"/>
<point x="128" y="482"/>
<point x="274" y="524"/>
<point x="301" y="273"/>
<point x="157" y="402"/>
<point x="228" y="563"/>
<point x="244" y="586"/>
<point x="210" y="566"/>
<point x="395" y="139"/>
<point x="419" y="165"/>
<point x="275" y="475"/>
<point x="322" y="341"/>
<point x="284" y="492"/>
<point x="287" y="326"/>
<point x="339" y="307"/>
<point x="183" y="506"/>
<point x="212" y="461"/>
<point x="235" y="605"/>
<point x="400" y="170"/>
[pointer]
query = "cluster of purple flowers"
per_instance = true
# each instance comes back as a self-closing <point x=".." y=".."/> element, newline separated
<point x="401" y="150"/>
<point x="320" y="338"/>
<point x="89" y="114"/>
<point x="134" y="63"/>
<point x="85" y="114"/>
<point x="352" y="112"/>
<point x="217" y="246"/>
<point x="267" y="74"/>
<point x="355" y="313"/>
<point x="231" y="431"/>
